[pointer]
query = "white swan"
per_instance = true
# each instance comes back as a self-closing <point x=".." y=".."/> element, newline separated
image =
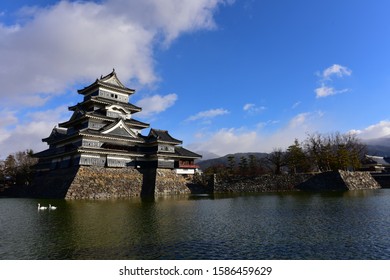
<point x="41" y="207"/>
<point x="52" y="207"/>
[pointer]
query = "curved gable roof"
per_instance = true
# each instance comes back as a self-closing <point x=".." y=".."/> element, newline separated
<point x="110" y="81"/>
<point x="163" y="136"/>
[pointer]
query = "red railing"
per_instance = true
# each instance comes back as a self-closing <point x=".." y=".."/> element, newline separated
<point x="188" y="166"/>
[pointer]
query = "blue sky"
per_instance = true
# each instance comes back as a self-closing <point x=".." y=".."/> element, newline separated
<point x="223" y="76"/>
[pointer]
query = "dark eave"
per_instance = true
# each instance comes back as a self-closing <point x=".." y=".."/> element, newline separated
<point x="109" y="152"/>
<point x="54" y="152"/>
<point x="102" y="117"/>
<point x="157" y="135"/>
<point x="186" y="153"/>
<point x="107" y="101"/>
<point x="98" y="99"/>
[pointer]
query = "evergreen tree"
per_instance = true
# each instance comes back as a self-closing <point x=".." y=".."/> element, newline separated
<point x="296" y="159"/>
<point x="231" y="164"/>
<point x="253" y="165"/>
<point x="243" y="165"/>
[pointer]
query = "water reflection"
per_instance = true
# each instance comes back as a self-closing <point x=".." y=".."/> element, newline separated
<point x="334" y="225"/>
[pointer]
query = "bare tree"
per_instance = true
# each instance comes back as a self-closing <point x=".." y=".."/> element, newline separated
<point x="334" y="151"/>
<point x="277" y="159"/>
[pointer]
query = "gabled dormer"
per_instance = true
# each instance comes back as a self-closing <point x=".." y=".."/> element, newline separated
<point x="120" y="129"/>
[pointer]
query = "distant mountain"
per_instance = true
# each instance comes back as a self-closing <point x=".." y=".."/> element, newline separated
<point x="375" y="147"/>
<point x="378" y="146"/>
<point x="207" y="155"/>
<point x="224" y="160"/>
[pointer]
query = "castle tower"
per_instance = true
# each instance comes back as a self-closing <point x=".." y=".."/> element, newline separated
<point x="103" y="132"/>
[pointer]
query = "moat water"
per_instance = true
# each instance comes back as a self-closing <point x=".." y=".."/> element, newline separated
<point x="333" y="225"/>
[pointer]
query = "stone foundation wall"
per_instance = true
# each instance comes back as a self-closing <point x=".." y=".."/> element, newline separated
<point x="339" y="180"/>
<point x="94" y="182"/>
<point x="265" y="183"/>
<point x="359" y="180"/>
<point x="168" y="182"/>
<point x="52" y="184"/>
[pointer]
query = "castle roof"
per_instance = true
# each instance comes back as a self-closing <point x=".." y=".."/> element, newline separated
<point x="182" y="152"/>
<point x="106" y="101"/>
<point x="109" y="81"/>
<point x="114" y="136"/>
<point x="79" y="116"/>
<point x="162" y="136"/>
<point x="377" y="160"/>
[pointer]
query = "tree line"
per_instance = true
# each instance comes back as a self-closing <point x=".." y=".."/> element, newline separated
<point x="317" y="153"/>
<point x="17" y="168"/>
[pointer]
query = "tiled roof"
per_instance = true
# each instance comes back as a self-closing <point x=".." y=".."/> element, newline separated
<point x="378" y="160"/>
<point x="56" y="134"/>
<point x="186" y="153"/>
<point x="97" y="133"/>
<point x="111" y="151"/>
<point x="110" y="81"/>
<point x="128" y="106"/>
<point x="55" y="152"/>
<point x="162" y="135"/>
<point x="107" y="101"/>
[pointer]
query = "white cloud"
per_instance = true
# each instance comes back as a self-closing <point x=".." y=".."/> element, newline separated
<point x="156" y="104"/>
<point x="374" y="131"/>
<point x="262" y="125"/>
<point x="172" y="17"/>
<point x="209" y="114"/>
<point x="29" y="134"/>
<point x="252" y="108"/>
<point x="234" y="140"/>
<point x="7" y="117"/>
<point x="56" y="46"/>
<point x="48" y="50"/>
<point x="248" y="106"/>
<point x="296" y="104"/>
<point x="225" y="141"/>
<point x="336" y="70"/>
<point x="298" y="120"/>
<point x="325" y="91"/>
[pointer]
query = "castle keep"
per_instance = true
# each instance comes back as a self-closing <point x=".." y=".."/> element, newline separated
<point x="102" y="133"/>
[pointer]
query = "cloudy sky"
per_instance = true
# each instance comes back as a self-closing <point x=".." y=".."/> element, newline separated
<point x="222" y="75"/>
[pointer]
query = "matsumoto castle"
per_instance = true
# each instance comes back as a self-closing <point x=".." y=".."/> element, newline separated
<point x="103" y="132"/>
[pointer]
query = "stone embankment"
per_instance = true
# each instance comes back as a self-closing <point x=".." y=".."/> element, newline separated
<point x="339" y="181"/>
<point x="326" y="181"/>
<point x="104" y="183"/>
<point x="93" y="182"/>
<point x="265" y="183"/>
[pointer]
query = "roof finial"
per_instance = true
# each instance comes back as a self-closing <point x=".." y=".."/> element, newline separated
<point x="113" y="70"/>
